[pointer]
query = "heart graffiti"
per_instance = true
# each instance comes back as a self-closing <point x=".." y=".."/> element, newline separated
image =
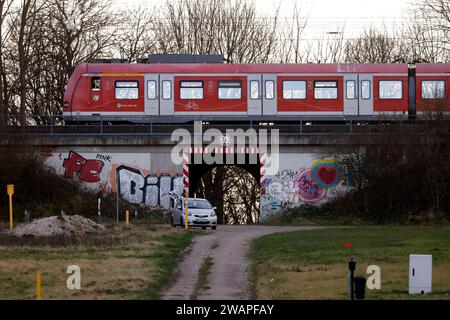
<point x="326" y="173"/>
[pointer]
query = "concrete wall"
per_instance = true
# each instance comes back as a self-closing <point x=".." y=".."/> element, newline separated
<point x="146" y="174"/>
<point x="305" y="176"/>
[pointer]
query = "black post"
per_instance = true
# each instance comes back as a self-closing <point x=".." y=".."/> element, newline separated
<point x="352" y="267"/>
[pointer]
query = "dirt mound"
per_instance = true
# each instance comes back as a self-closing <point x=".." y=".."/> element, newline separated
<point x="58" y="225"/>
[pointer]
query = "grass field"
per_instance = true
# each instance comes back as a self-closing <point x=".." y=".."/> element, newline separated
<point x="135" y="271"/>
<point x="314" y="265"/>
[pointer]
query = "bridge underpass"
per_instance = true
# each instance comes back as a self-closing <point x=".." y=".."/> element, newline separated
<point x="231" y="184"/>
<point x="143" y="168"/>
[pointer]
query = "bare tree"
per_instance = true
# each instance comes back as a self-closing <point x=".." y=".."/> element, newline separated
<point x="233" y="29"/>
<point x="426" y="35"/>
<point x="439" y="11"/>
<point x="234" y="192"/>
<point x="372" y="46"/>
<point x="80" y="30"/>
<point x="211" y="186"/>
<point x="25" y="31"/>
<point x="135" y="38"/>
<point x="329" y="48"/>
<point x="290" y="47"/>
<point x="48" y="39"/>
<point x="5" y="6"/>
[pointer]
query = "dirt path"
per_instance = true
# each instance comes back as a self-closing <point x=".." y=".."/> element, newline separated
<point x="228" y="246"/>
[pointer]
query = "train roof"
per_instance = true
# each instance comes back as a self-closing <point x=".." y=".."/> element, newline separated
<point x="433" y="68"/>
<point x="139" y="68"/>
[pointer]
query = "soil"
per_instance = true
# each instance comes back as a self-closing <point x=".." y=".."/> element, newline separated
<point x="57" y="226"/>
<point x="229" y="275"/>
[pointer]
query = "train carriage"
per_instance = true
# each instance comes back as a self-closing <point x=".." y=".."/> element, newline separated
<point x="180" y="92"/>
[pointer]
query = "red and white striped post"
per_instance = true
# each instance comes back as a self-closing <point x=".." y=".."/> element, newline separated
<point x="262" y="171"/>
<point x="186" y="187"/>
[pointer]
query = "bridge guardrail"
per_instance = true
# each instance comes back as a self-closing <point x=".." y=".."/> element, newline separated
<point x="42" y="125"/>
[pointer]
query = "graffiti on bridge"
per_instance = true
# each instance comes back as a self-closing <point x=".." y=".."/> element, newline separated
<point x="152" y="190"/>
<point x="135" y="187"/>
<point x="87" y="170"/>
<point x="310" y="185"/>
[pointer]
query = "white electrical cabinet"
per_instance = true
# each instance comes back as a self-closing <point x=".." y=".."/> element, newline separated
<point x="420" y="273"/>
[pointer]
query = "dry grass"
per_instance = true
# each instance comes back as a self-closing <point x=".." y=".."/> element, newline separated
<point x="118" y="272"/>
<point x="324" y="282"/>
<point x="312" y="264"/>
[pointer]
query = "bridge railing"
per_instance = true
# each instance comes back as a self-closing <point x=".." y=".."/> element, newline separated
<point x="292" y="126"/>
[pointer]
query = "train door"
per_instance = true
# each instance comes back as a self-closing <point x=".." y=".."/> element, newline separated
<point x="365" y="94"/>
<point x="350" y="94"/>
<point x="269" y="92"/>
<point x="254" y="97"/>
<point x="151" y="94"/>
<point x="166" y="95"/>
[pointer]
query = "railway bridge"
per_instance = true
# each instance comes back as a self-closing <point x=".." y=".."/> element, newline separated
<point x="145" y="165"/>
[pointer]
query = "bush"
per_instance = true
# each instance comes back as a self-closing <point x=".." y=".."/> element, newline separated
<point x="42" y="192"/>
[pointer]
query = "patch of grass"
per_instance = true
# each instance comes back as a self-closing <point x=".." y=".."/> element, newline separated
<point x="215" y="245"/>
<point x="166" y="257"/>
<point x="202" y="282"/>
<point x="313" y="264"/>
<point x="137" y="270"/>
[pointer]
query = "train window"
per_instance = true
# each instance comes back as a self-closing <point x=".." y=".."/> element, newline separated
<point x="365" y="89"/>
<point x="433" y="89"/>
<point x="127" y="90"/>
<point x="167" y="89"/>
<point x="191" y="89"/>
<point x="325" y="90"/>
<point x="95" y="84"/>
<point x="230" y="89"/>
<point x="151" y="89"/>
<point x="269" y="89"/>
<point x="350" y="89"/>
<point x="294" y="89"/>
<point x="254" y="89"/>
<point x="391" y="89"/>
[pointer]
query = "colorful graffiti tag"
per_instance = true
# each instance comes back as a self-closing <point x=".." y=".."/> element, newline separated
<point x="150" y="178"/>
<point x="327" y="173"/>
<point x="151" y="189"/>
<point x="87" y="170"/>
<point x="309" y="185"/>
<point x="136" y="185"/>
<point x="308" y="189"/>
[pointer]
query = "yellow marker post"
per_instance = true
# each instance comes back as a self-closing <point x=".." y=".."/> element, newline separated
<point x="10" y="191"/>
<point x="186" y="222"/>
<point x="38" y="285"/>
<point x="127" y="216"/>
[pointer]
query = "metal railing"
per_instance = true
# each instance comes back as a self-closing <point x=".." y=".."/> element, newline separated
<point x="42" y="125"/>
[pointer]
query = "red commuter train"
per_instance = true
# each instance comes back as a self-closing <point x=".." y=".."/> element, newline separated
<point x="171" y="91"/>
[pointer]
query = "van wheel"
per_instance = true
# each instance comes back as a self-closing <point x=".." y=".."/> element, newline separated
<point x="203" y="228"/>
<point x="213" y="228"/>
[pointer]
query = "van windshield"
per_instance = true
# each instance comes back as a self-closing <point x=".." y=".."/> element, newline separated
<point x="199" y="204"/>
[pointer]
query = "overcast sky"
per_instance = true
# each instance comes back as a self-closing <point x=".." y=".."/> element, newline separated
<point x="327" y="15"/>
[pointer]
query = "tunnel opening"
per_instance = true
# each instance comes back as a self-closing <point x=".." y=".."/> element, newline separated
<point x="234" y="189"/>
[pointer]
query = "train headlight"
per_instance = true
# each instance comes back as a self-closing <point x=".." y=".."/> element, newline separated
<point x="66" y="104"/>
